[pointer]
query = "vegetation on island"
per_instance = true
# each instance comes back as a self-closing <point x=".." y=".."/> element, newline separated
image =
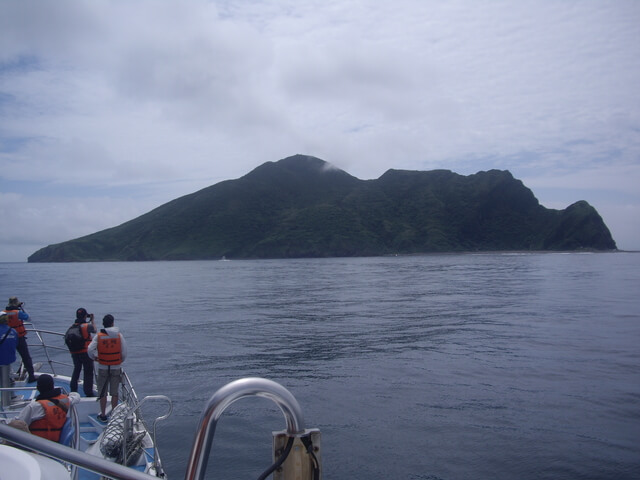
<point x="301" y="206"/>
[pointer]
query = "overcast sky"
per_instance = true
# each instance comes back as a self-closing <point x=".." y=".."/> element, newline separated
<point x="110" y="108"/>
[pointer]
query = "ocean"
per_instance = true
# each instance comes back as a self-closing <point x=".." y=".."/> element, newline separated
<point x="484" y="366"/>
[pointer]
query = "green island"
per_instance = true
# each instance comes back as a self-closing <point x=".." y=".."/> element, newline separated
<point x="301" y="206"/>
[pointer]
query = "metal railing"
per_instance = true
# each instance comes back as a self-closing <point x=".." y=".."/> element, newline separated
<point x="70" y="455"/>
<point x="136" y="408"/>
<point x="46" y="347"/>
<point x="14" y="406"/>
<point x="81" y="459"/>
<point x="199" y="456"/>
<point x="203" y="441"/>
<point x="225" y="396"/>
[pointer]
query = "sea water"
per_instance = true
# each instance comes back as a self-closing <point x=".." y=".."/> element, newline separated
<point x="495" y="366"/>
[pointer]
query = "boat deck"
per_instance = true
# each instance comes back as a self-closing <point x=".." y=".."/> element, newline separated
<point x="90" y="427"/>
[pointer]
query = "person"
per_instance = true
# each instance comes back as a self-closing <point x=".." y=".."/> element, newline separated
<point x="109" y="349"/>
<point x="17" y="317"/>
<point x="8" y="344"/>
<point x="45" y="416"/>
<point x="80" y="357"/>
<point x="8" y="341"/>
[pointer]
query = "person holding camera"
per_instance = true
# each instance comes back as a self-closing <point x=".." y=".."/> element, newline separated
<point x="16" y="317"/>
<point x="78" y="338"/>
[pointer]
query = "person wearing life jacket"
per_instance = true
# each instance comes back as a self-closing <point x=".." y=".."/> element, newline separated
<point x="81" y="359"/>
<point x="16" y="318"/>
<point x="45" y="416"/>
<point x="109" y="349"/>
<point x="8" y="341"/>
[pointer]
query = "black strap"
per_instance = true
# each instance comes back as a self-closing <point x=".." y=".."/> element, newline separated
<point x="59" y="404"/>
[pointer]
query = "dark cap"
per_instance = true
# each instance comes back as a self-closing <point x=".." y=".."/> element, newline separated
<point x="81" y="313"/>
<point x="45" y="383"/>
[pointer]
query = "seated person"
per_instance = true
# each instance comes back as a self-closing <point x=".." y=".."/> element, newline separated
<point x="45" y="416"/>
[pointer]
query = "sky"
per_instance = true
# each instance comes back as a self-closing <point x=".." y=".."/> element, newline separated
<point x="110" y="108"/>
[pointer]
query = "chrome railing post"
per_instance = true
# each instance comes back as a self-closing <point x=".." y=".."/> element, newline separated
<point x="225" y="396"/>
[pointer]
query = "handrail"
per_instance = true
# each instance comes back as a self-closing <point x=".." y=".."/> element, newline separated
<point x="46" y="347"/>
<point x="11" y="409"/>
<point x="98" y="465"/>
<point x="129" y="395"/>
<point x="130" y="399"/>
<point x="42" y="343"/>
<point x="76" y="439"/>
<point x="156" y="458"/>
<point x="225" y="396"/>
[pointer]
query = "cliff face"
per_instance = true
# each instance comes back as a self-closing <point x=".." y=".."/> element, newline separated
<point x="579" y="227"/>
<point x="303" y="207"/>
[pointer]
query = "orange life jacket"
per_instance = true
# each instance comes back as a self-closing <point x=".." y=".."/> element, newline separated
<point x="14" y="322"/>
<point x="51" y="424"/>
<point x="109" y="349"/>
<point x="84" y="331"/>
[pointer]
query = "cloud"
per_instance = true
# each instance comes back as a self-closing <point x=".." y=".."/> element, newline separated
<point x="40" y="221"/>
<point x="128" y="97"/>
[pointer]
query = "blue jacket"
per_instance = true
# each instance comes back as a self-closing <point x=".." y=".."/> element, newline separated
<point x="8" y="347"/>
